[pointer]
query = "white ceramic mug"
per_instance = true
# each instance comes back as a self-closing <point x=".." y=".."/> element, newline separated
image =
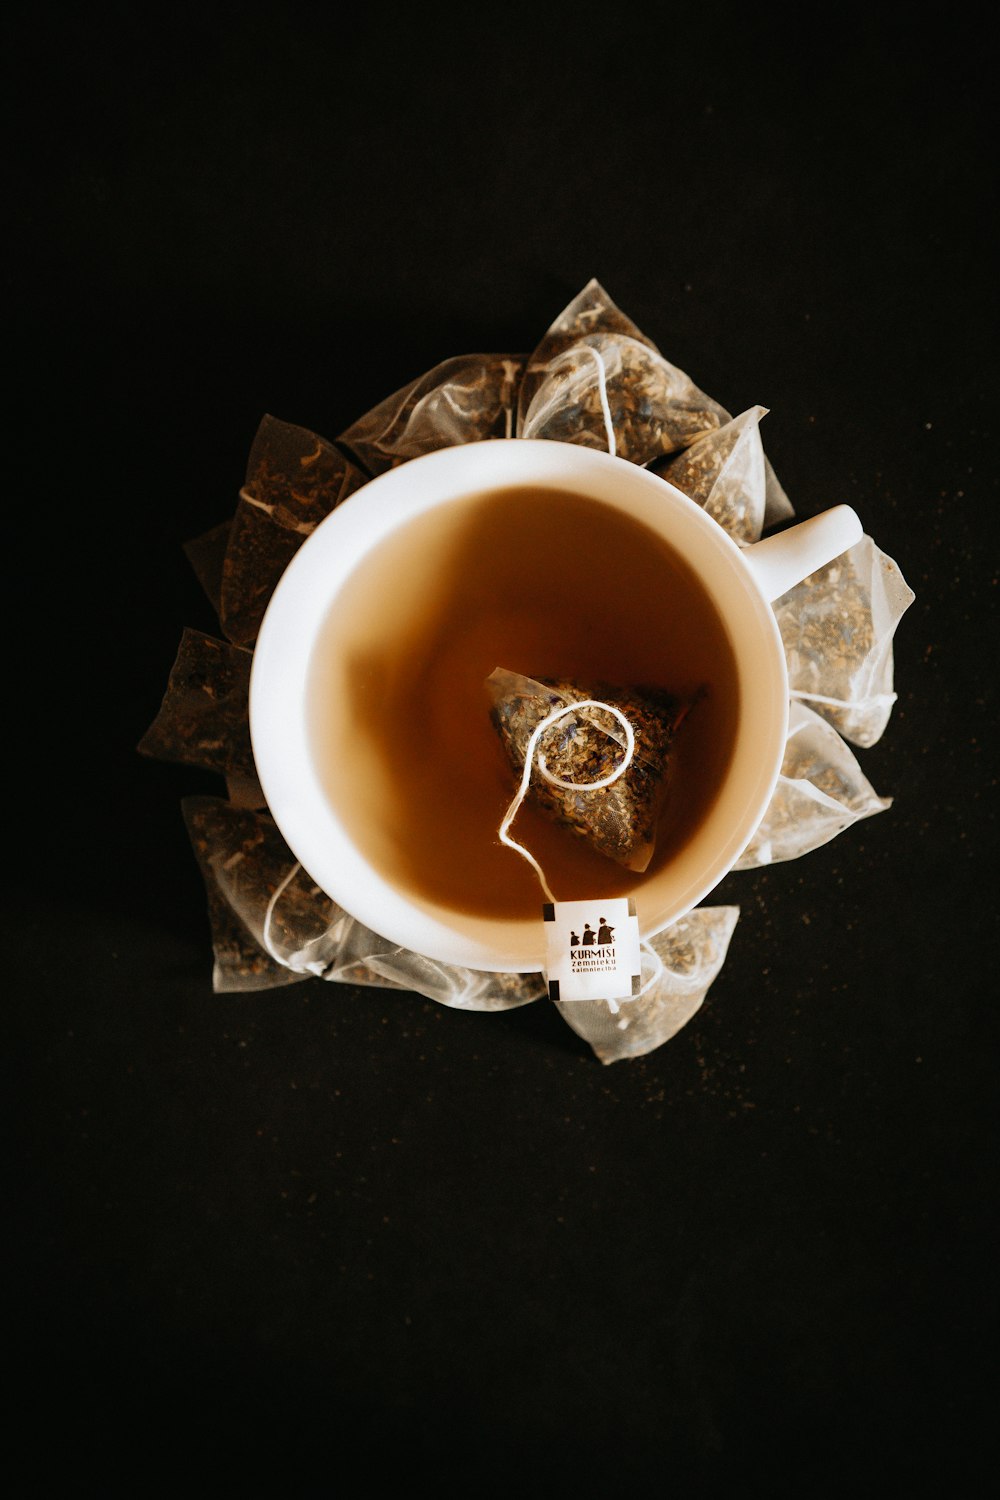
<point x="741" y="582"/>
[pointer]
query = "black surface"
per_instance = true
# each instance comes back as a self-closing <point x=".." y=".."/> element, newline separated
<point x="260" y="1239"/>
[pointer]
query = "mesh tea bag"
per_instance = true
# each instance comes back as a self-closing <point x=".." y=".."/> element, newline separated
<point x="455" y="986"/>
<point x="294" y="478"/>
<point x="204" y="719"/>
<point x="612" y="392"/>
<point x="461" y="400"/>
<point x="207" y="554"/>
<point x="596" y="379"/>
<point x="683" y="961"/>
<point x="272" y="925"/>
<point x="820" y="792"/>
<point x="724" y="473"/>
<point x="837" y="627"/>
<point x="619" y="820"/>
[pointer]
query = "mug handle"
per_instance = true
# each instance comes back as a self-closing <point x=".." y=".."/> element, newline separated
<point x="779" y="562"/>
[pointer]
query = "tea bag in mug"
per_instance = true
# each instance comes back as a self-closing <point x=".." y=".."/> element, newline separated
<point x="724" y="473"/>
<point x="678" y="966"/>
<point x="821" y="791"/>
<point x="837" y="626"/>
<point x="619" y="820"/>
<point x="462" y="400"/>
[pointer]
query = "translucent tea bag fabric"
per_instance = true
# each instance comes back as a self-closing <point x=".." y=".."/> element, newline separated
<point x="837" y="627"/>
<point x="462" y="400"/>
<point x="724" y="473"/>
<point x="821" y="790"/>
<point x="619" y="820"/>
<point x="689" y="955"/>
<point x="294" y="479"/>
<point x="596" y="368"/>
<point x="272" y="924"/>
<point x="204" y="717"/>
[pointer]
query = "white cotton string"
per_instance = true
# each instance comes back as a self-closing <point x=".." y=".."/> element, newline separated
<point x="589" y="786"/>
<point x="602" y="391"/>
<point x="268" y="915"/>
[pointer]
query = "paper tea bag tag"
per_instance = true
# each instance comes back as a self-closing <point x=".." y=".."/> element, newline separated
<point x="592" y="949"/>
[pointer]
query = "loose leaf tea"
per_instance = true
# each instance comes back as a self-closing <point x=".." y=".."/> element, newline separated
<point x="723" y="472"/>
<point x="204" y="717"/>
<point x="619" y="820"/>
<point x="294" y="479"/>
<point x="837" y="627"/>
<point x="820" y="792"/>
<point x="463" y="400"/>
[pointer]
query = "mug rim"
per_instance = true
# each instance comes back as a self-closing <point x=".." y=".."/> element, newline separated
<point x="281" y="730"/>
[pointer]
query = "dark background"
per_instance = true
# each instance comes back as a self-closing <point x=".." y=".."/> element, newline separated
<point x="259" y="1238"/>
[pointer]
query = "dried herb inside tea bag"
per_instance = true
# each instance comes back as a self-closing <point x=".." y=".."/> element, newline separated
<point x="204" y="717"/>
<point x="462" y="400"/>
<point x="594" y="367"/>
<point x="619" y="821"/>
<point x="837" y="628"/>
<point x="294" y="479"/>
<point x="591" y="311"/>
<point x="821" y="791"/>
<point x="723" y="472"/>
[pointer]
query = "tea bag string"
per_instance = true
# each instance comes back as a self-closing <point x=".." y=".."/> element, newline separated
<point x="591" y="786"/>
<point x="602" y="391"/>
<point x="309" y="967"/>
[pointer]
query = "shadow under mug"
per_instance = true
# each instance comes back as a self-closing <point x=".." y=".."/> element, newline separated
<point x="741" y="583"/>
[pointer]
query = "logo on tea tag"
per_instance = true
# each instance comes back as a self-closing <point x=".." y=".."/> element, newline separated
<point x="592" y="949"/>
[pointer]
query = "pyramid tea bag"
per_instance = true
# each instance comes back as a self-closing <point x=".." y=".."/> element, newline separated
<point x="294" y="479"/>
<point x="837" y="627"/>
<point x="203" y="719"/>
<point x="596" y="379"/>
<point x="821" y="791"/>
<point x="462" y="400"/>
<point x="678" y="968"/>
<point x="724" y="473"/>
<point x="618" y="821"/>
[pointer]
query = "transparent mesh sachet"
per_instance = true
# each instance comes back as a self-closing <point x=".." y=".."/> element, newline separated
<point x="595" y="370"/>
<point x="294" y="479"/>
<point x="689" y="954"/>
<point x="820" y="791"/>
<point x="203" y="719"/>
<point x="619" y="820"/>
<point x="837" y="626"/>
<point x="724" y="473"/>
<point x="462" y="400"/>
<point x="272" y="924"/>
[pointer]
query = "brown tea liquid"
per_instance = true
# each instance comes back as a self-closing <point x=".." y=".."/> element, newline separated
<point x="542" y="582"/>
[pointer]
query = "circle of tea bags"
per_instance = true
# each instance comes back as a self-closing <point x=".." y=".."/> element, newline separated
<point x="619" y="820"/>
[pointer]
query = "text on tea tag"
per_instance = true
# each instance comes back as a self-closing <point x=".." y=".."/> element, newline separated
<point x="592" y="949"/>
